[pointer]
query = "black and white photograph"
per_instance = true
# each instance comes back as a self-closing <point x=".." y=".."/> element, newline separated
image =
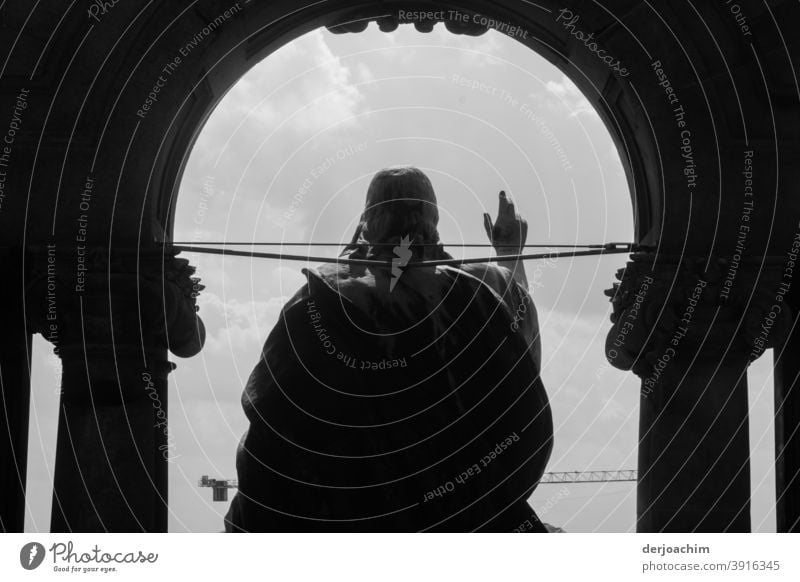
<point x="336" y="274"/>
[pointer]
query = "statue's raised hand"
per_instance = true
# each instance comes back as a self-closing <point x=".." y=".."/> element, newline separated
<point x="509" y="232"/>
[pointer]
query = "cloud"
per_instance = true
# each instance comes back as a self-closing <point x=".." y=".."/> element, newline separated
<point x="236" y="326"/>
<point x="321" y="89"/>
<point x="480" y="51"/>
<point x="594" y="405"/>
<point x="301" y="94"/>
<point x="567" y="94"/>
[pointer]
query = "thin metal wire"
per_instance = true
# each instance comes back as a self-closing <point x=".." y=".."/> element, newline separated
<point x="607" y="250"/>
<point x="344" y="244"/>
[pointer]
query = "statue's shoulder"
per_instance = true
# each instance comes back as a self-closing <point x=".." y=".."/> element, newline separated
<point x="489" y="271"/>
<point x="338" y="277"/>
<point x="497" y="278"/>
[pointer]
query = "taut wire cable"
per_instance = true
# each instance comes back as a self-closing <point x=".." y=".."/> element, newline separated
<point x="589" y="250"/>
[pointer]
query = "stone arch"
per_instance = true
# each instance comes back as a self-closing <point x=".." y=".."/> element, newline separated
<point x="86" y="134"/>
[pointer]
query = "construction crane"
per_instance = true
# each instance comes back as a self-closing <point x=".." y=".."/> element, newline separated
<point x="219" y="487"/>
<point x="589" y="477"/>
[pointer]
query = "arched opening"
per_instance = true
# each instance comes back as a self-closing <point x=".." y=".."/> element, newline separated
<point x="287" y="156"/>
<point x="238" y="50"/>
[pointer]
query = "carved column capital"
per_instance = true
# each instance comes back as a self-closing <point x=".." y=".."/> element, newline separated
<point x="84" y="296"/>
<point x="667" y="309"/>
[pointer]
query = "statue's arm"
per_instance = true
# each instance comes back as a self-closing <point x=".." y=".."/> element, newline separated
<point x="508" y="235"/>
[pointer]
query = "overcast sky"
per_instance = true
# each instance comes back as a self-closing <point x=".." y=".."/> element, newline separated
<point x="287" y="156"/>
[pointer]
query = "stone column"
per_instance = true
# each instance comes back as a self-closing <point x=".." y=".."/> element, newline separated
<point x="15" y="388"/>
<point x="690" y="328"/>
<point x="117" y="317"/>
<point x="787" y="428"/>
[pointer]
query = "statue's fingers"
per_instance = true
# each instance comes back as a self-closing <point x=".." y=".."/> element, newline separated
<point x="502" y="206"/>
<point x="511" y="211"/>
<point x="488" y="226"/>
<point x="507" y="207"/>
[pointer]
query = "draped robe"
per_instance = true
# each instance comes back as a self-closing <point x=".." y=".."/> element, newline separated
<point x="415" y="409"/>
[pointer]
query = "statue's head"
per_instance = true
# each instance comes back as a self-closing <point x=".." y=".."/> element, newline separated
<point x="400" y="202"/>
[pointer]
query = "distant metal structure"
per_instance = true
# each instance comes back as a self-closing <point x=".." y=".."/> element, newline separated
<point x="589" y="477"/>
<point x="219" y="487"/>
